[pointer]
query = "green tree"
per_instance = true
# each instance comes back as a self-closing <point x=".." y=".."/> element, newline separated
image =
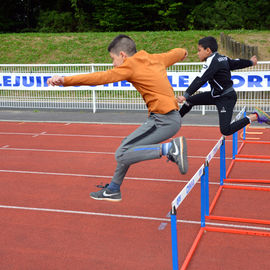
<point x="83" y="10"/>
<point x="56" y="22"/>
<point x="11" y="16"/>
<point x="229" y="14"/>
<point x="137" y="15"/>
<point x="132" y="15"/>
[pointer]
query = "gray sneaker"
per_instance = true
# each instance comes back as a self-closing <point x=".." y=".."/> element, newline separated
<point x="106" y="194"/>
<point x="178" y="154"/>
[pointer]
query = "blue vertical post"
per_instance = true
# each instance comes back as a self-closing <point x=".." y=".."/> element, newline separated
<point x="222" y="162"/>
<point x="206" y="181"/>
<point x="203" y="201"/>
<point x="174" y="239"/>
<point x="235" y="144"/>
<point x="244" y="131"/>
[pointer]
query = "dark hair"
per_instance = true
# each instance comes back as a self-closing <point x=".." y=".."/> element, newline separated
<point x="209" y="42"/>
<point x="122" y="43"/>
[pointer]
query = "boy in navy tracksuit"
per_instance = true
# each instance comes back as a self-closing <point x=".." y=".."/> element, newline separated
<point x="217" y="71"/>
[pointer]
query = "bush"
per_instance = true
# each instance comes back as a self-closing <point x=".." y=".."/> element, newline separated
<point x="56" y="22"/>
<point x="230" y="14"/>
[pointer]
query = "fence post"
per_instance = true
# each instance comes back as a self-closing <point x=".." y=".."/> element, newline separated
<point x="94" y="94"/>
<point x="236" y="49"/>
<point x="94" y="100"/>
<point x="203" y="109"/>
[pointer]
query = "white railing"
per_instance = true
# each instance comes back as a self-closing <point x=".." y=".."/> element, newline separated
<point x="105" y="99"/>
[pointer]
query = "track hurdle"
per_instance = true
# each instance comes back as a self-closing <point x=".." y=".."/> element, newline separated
<point x="237" y="157"/>
<point x="175" y="204"/>
<point x="245" y="159"/>
<point x="203" y="175"/>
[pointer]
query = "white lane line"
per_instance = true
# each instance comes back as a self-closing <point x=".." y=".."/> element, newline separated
<point x="39" y="134"/>
<point x="87" y="136"/>
<point x="101" y="136"/>
<point x="55" y="150"/>
<point x="127" y="177"/>
<point x="80" y="212"/>
<point x="59" y="135"/>
<point x="6" y="147"/>
<point x="92" y="176"/>
<point x="62" y="211"/>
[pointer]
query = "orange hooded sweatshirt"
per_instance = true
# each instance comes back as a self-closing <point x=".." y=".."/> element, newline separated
<point x="147" y="72"/>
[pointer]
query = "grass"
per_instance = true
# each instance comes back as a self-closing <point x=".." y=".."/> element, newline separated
<point x="66" y="48"/>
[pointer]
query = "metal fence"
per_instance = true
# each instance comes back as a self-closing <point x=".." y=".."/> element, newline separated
<point x="100" y="99"/>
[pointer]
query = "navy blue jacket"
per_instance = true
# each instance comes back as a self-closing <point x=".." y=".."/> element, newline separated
<point x="217" y="71"/>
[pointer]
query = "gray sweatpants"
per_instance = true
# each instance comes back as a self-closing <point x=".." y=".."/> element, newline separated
<point x="144" y="142"/>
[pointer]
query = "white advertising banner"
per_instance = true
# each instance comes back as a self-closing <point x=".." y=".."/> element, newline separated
<point x="243" y="81"/>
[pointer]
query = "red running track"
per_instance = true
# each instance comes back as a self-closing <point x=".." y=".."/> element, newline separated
<point x="49" y="222"/>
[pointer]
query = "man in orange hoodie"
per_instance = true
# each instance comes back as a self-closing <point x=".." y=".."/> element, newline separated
<point x="147" y="72"/>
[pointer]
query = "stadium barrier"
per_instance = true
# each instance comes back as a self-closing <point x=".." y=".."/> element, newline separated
<point x="24" y="86"/>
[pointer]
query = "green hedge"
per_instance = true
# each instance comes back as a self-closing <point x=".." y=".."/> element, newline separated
<point x="130" y="15"/>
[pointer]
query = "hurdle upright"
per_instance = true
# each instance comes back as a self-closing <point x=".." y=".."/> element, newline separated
<point x="175" y="204"/>
<point x="203" y="175"/>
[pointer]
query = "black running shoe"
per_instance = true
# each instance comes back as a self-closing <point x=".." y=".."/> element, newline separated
<point x="178" y="154"/>
<point x="106" y="194"/>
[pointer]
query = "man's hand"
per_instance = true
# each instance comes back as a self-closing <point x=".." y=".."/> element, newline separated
<point x="186" y="55"/>
<point x="254" y="60"/>
<point x="55" y="81"/>
<point x="181" y="99"/>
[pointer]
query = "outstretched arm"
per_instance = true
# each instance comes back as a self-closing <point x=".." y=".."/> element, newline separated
<point x="95" y="78"/>
<point x="56" y="81"/>
<point x="242" y="63"/>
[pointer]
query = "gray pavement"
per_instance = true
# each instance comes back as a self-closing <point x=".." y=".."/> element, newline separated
<point x="122" y="117"/>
